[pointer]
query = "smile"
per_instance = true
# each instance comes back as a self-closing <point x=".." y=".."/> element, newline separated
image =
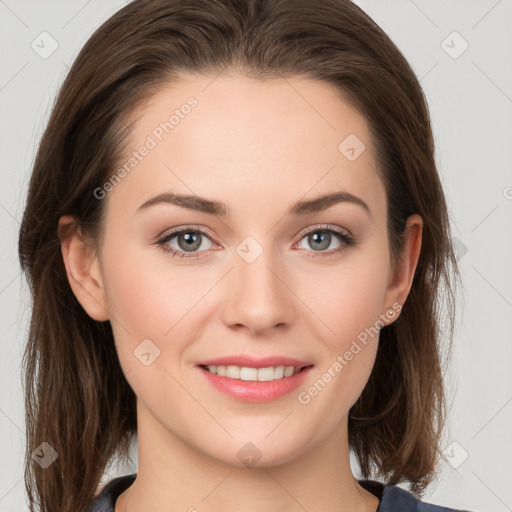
<point x="274" y="383"/>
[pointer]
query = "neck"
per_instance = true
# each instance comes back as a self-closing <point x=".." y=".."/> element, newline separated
<point x="172" y="476"/>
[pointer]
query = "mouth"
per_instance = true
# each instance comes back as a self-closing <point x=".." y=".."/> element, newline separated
<point x="246" y="384"/>
<point x="247" y="373"/>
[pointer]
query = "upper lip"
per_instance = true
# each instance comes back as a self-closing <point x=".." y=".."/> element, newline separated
<point x="255" y="362"/>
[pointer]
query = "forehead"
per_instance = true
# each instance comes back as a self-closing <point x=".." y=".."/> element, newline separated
<point x="248" y="142"/>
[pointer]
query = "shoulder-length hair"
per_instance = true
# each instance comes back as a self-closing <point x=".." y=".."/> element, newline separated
<point x="76" y="396"/>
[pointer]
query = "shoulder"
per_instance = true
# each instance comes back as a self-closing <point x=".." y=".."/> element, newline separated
<point x="393" y="498"/>
<point x="105" y="500"/>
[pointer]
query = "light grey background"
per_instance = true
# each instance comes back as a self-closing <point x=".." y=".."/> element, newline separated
<point x="470" y="96"/>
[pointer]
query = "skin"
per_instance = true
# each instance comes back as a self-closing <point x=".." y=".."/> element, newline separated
<point x="259" y="147"/>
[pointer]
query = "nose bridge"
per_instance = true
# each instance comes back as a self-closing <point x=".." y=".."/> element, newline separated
<point x="257" y="294"/>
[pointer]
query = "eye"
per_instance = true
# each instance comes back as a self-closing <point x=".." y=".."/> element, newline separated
<point x="188" y="240"/>
<point x="321" y="237"/>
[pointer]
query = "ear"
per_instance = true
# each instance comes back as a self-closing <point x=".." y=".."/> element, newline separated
<point x="400" y="281"/>
<point x="82" y="269"/>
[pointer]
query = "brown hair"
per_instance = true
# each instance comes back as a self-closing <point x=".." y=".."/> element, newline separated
<point x="77" y="398"/>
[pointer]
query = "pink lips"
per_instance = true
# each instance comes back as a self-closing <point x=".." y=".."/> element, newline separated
<point x="253" y="362"/>
<point x="256" y="391"/>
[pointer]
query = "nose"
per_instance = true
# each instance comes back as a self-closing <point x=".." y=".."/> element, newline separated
<point x="258" y="297"/>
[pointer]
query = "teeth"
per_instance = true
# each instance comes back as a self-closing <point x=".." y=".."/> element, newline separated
<point x="246" y="373"/>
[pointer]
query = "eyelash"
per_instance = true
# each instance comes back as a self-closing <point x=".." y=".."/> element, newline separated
<point x="347" y="239"/>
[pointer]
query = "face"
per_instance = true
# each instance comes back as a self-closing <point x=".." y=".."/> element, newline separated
<point x="259" y="280"/>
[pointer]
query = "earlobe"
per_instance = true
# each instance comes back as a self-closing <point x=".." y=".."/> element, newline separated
<point x="82" y="269"/>
<point x="401" y="281"/>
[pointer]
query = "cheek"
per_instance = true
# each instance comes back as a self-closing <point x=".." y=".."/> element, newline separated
<point x="349" y="306"/>
<point x="347" y="298"/>
<point x="144" y="292"/>
<point x="147" y="298"/>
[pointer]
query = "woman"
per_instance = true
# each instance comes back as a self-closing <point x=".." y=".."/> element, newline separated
<point x="235" y="236"/>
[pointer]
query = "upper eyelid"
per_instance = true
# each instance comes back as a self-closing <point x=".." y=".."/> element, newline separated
<point x="327" y="227"/>
<point x="174" y="232"/>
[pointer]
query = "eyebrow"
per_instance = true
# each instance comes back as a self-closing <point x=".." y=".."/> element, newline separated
<point x="220" y="209"/>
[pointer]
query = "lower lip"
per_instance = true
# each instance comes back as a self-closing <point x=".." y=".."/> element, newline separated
<point x="253" y="390"/>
